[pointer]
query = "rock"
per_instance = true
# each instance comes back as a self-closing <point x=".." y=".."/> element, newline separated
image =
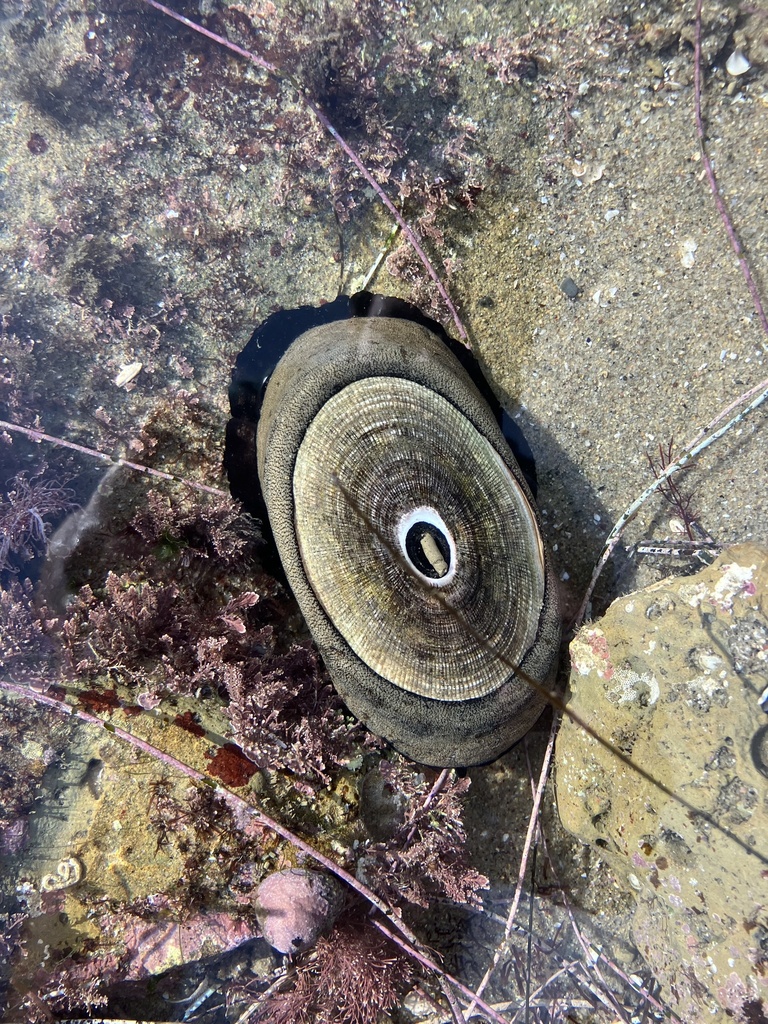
<point x="295" y="907"/>
<point x="382" y="806"/>
<point x="153" y="947"/>
<point x="673" y="676"/>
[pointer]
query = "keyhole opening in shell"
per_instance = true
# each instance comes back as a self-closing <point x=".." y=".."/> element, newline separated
<point x="427" y="545"/>
<point x="428" y="549"/>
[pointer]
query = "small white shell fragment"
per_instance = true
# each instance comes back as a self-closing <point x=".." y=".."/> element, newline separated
<point x="590" y="170"/>
<point x="677" y="527"/>
<point x="737" y="64"/>
<point x="688" y="253"/>
<point x="128" y="373"/>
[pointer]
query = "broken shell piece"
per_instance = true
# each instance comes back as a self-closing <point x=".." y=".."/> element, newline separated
<point x="128" y="373"/>
<point x="677" y="527"/>
<point x="68" y="873"/>
<point x="589" y="171"/>
<point x="688" y="253"/>
<point x="737" y="64"/>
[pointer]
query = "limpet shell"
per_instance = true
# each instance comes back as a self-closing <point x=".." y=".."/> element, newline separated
<point x="404" y="524"/>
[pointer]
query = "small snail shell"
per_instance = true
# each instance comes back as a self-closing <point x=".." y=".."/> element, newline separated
<point x="405" y="528"/>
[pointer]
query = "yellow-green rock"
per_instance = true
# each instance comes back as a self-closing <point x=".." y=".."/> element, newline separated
<point x="673" y="676"/>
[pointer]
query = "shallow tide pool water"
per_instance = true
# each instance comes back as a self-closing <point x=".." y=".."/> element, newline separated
<point x="160" y="198"/>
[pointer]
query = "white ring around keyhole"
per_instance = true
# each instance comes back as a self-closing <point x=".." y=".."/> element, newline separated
<point x="425" y="514"/>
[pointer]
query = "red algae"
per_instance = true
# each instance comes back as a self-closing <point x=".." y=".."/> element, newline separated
<point x="229" y="765"/>
<point x="188" y="722"/>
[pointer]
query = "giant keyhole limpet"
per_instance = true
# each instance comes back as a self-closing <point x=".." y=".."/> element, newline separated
<point x="403" y="522"/>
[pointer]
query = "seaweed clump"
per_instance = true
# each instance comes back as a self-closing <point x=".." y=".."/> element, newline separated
<point x="168" y="619"/>
<point x="352" y="975"/>
<point x="32" y="502"/>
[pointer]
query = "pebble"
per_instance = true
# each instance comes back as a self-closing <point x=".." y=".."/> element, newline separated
<point x="569" y="287"/>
